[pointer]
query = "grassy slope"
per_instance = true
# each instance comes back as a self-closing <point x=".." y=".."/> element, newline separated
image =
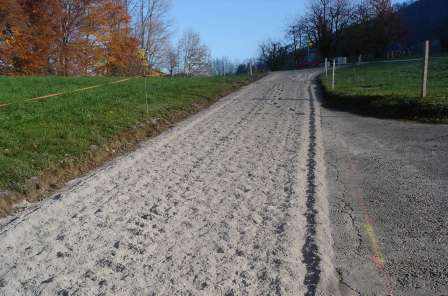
<point x="16" y="89"/>
<point x="38" y="136"/>
<point x="392" y="90"/>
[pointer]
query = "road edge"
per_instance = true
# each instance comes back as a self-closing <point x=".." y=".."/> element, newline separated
<point x="329" y="283"/>
<point x="54" y="179"/>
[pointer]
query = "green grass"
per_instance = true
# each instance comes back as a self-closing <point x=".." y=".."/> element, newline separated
<point x="392" y="89"/>
<point x="37" y="136"/>
<point x="16" y="89"/>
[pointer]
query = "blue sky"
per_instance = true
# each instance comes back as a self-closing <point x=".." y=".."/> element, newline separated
<point x="234" y="28"/>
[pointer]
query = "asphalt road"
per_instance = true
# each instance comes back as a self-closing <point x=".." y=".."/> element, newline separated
<point x="389" y="204"/>
<point x="264" y="193"/>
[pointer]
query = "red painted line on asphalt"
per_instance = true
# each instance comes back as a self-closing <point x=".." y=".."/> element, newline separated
<point x="377" y="257"/>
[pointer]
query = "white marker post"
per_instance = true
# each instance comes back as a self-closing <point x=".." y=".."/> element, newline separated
<point x="326" y="67"/>
<point x="425" y="70"/>
<point x="250" y="69"/>
<point x="334" y="69"/>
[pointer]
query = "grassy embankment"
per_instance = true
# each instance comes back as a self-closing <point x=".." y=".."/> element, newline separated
<point x="44" y="143"/>
<point x="391" y="90"/>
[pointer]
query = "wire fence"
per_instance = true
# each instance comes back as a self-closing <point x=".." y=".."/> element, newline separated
<point x="424" y="76"/>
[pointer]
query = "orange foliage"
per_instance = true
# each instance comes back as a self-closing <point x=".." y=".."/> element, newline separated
<point x="66" y="37"/>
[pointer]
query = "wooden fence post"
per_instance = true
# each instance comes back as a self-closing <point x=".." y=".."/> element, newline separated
<point x="425" y="70"/>
<point x="334" y="69"/>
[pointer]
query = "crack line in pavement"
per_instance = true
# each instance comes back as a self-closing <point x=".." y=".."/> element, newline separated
<point x="310" y="250"/>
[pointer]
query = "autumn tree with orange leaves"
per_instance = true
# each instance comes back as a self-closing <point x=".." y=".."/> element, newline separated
<point x="67" y="37"/>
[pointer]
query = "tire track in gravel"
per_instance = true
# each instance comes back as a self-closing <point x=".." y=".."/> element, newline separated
<point x="251" y="132"/>
<point x="288" y="167"/>
<point x="310" y="249"/>
<point x="225" y="149"/>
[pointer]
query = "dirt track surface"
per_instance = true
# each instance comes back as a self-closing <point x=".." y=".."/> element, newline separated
<point x="230" y="202"/>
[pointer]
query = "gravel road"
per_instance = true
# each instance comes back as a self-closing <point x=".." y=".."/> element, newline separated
<point x="229" y="202"/>
<point x="264" y="193"/>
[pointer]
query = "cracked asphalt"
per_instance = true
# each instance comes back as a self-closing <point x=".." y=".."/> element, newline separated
<point x="229" y="202"/>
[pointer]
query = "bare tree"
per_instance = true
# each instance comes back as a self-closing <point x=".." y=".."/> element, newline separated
<point x="153" y="29"/>
<point x="325" y="21"/>
<point x="297" y="33"/>
<point x="172" y="59"/>
<point x="194" y="56"/>
<point x="273" y="54"/>
<point x="223" y="66"/>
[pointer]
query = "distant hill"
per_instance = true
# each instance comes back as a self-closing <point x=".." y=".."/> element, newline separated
<point x="426" y="19"/>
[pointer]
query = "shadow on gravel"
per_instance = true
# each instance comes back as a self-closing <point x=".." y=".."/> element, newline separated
<point x="385" y="107"/>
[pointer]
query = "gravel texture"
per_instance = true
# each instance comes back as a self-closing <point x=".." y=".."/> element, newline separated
<point x="231" y="201"/>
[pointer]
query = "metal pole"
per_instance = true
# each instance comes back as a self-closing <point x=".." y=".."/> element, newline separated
<point x="425" y="70"/>
<point x="326" y="67"/>
<point x="334" y="69"/>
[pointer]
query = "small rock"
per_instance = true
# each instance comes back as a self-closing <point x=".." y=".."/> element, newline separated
<point x="35" y="182"/>
<point x="4" y="193"/>
<point x="119" y="267"/>
<point x="257" y="219"/>
<point x="104" y="262"/>
<point x="57" y="197"/>
<point x="63" y="292"/>
<point x="93" y="147"/>
<point x="90" y="275"/>
<point x="47" y="281"/>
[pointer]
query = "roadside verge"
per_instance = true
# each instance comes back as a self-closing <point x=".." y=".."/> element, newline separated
<point x="114" y="141"/>
<point x="390" y="89"/>
<point x="386" y="107"/>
